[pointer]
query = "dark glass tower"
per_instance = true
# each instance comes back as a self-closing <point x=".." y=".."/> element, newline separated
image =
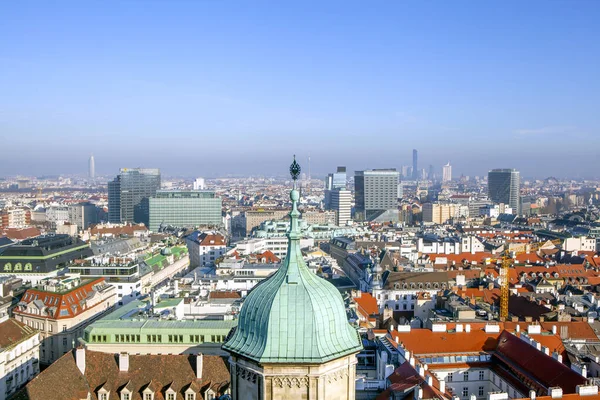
<point x="504" y="187"/>
<point x="126" y="192"/>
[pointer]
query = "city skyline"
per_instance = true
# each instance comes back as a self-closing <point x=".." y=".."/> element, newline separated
<point x="487" y="85"/>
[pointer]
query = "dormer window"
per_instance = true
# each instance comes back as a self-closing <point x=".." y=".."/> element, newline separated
<point x="125" y="395"/>
<point x="190" y="394"/>
<point x="170" y="396"/>
<point x="149" y="396"/>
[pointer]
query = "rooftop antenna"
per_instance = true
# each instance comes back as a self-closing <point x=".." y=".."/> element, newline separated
<point x="308" y="188"/>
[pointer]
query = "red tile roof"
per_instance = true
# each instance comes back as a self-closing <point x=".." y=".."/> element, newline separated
<point x="367" y="304"/>
<point x="22" y="234"/>
<point x="529" y="362"/>
<point x="64" y="304"/>
<point x="13" y="332"/>
<point x="424" y="341"/>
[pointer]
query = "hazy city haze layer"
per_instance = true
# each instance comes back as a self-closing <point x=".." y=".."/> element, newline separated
<point x="217" y="88"/>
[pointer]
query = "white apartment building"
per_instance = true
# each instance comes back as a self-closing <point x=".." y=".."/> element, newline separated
<point x="19" y="355"/>
<point x="581" y="243"/>
<point x="205" y="248"/>
<point x="341" y="203"/>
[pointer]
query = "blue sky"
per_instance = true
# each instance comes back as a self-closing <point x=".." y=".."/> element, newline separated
<point x="218" y="87"/>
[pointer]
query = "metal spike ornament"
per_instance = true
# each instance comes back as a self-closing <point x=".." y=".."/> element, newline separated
<point x="295" y="169"/>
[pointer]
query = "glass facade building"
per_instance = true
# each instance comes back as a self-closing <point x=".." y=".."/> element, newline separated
<point x="504" y="187"/>
<point x="191" y="208"/>
<point x="127" y="192"/>
<point x="375" y="191"/>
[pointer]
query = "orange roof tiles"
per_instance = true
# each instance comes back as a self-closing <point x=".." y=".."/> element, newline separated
<point x="367" y="304"/>
<point x="424" y="341"/>
<point x="65" y="304"/>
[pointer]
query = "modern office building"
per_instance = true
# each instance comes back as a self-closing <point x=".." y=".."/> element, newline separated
<point x="341" y="203"/>
<point x="92" y="167"/>
<point x="126" y="192"/>
<point x="334" y="181"/>
<point x="181" y="208"/>
<point x="504" y="187"/>
<point x="376" y="191"/>
<point x="447" y="173"/>
<point x="83" y="215"/>
<point x="415" y="167"/>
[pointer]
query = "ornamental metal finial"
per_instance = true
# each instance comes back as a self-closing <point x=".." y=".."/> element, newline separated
<point x="295" y="169"/>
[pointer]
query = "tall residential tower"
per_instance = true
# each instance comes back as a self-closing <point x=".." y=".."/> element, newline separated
<point x="447" y="173"/>
<point x="92" y="167"/>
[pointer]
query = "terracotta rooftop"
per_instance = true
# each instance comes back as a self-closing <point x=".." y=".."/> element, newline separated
<point x="60" y="304"/>
<point x="532" y="364"/>
<point x="225" y="295"/>
<point x="367" y="304"/>
<point x="13" y="332"/>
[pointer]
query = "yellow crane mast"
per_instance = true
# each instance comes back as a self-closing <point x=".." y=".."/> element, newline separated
<point x="507" y="260"/>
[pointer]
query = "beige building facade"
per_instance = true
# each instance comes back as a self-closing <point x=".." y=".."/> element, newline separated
<point x="334" y="380"/>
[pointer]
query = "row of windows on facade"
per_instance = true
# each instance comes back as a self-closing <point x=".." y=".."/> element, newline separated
<point x="16" y="378"/>
<point x="458" y="359"/>
<point x="150" y="396"/>
<point x="450" y="376"/>
<point x="40" y="325"/>
<point x="124" y="338"/>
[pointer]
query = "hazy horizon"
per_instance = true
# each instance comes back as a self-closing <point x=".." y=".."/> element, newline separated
<point x="216" y="88"/>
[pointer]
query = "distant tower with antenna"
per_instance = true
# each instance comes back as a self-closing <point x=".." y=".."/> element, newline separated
<point x="92" y="167"/>
<point x="308" y="184"/>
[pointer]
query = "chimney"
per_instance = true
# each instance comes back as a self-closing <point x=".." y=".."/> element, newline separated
<point x="411" y="361"/>
<point x="473" y="397"/>
<point x="199" y="365"/>
<point x="554" y="329"/>
<point x="430" y="380"/>
<point x="123" y="362"/>
<point x="443" y="385"/>
<point x="468" y="328"/>
<point x="518" y="328"/>
<point x="555" y="392"/>
<point x="532" y="394"/>
<point x="80" y="359"/>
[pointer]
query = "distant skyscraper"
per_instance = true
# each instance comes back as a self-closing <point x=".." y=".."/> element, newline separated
<point x="376" y="191"/>
<point x="126" y="192"/>
<point x="92" y="167"/>
<point x="431" y="174"/>
<point x="447" y="173"/>
<point x="504" y="187"/>
<point x="415" y="168"/>
<point x="335" y="181"/>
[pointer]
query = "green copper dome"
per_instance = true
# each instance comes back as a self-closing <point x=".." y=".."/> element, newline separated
<point x="293" y="316"/>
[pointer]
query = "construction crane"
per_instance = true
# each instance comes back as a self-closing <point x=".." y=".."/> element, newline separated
<point x="507" y="260"/>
